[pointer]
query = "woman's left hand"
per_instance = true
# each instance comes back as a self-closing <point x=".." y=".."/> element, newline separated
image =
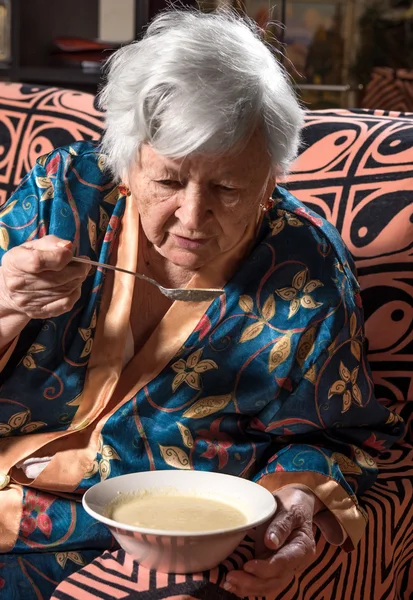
<point x="289" y="542"/>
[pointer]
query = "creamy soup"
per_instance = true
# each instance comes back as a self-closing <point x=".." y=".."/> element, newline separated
<point x="174" y="512"/>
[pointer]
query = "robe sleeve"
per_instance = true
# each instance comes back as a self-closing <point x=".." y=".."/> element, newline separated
<point x="26" y="216"/>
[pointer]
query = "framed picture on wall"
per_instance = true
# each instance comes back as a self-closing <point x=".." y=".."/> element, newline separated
<point x="314" y="35"/>
<point x="316" y="44"/>
<point x="315" y="41"/>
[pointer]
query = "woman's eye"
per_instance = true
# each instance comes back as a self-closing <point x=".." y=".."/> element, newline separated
<point x="226" y="188"/>
<point x="169" y="182"/>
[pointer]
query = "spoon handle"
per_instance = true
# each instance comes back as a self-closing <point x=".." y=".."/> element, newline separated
<point x="87" y="261"/>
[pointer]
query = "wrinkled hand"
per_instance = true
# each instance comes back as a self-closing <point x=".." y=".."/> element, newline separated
<point x="289" y="544"/>
<point x="38" y="280"/>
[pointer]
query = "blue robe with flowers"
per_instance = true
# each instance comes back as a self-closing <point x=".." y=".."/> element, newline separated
<point x="272" y="382"/>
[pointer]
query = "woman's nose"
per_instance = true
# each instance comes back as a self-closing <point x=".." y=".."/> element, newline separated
<point x="193" y="211"/>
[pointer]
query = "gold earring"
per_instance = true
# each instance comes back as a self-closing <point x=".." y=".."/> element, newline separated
<point x="124" y="190"/>
<point x="268" y="205"/>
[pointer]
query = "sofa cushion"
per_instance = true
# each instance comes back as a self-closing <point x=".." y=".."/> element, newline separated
<point x="356" y="170"/>
<point x="34" y="120"/>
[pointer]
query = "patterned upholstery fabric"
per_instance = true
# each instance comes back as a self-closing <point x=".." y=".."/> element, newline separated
<point x="356" y="169"/>
<point x="34" y="120"/>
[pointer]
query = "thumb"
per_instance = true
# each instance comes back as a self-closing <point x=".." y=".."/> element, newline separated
<point x="49" y="253"/>
<point x="281" y="527"/>
<point x="48" y="242"/>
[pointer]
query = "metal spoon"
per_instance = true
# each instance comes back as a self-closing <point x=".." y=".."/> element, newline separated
<point x="183" y="294"/>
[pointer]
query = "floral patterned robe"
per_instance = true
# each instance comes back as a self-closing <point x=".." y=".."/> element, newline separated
<point x="270" y="381"/>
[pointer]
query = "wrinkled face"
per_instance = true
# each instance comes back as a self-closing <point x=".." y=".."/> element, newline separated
<point x="196" y="208"/>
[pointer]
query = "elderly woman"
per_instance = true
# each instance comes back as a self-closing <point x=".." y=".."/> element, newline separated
<point x="101" y="375"/>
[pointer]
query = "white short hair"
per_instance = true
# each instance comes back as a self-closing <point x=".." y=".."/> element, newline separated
<point x="198" y="83"/>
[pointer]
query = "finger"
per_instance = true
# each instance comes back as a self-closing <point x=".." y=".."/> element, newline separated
<point x="296" y="554"/>
<point x="35" y="304"/>
<point x="33" y="294"/>
<point x="48" y="242"/>
<point x="55" y="308"/>
<point x="283" y="524"/>
<point x="31" y="258"/>
<point x="73" y="272"/>
<point x="244" y="585"/>
<point x="71" y="276"/>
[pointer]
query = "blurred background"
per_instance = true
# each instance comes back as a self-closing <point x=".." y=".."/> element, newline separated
<point x="340" y="53"/>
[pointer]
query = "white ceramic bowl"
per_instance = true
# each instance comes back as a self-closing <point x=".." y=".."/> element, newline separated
<point x="180" y="551"/>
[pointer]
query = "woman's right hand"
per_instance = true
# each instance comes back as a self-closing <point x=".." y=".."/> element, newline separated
<point x="37" y="279"/>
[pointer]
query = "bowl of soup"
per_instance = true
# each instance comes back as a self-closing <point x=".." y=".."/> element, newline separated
<point x="179" y="521"/>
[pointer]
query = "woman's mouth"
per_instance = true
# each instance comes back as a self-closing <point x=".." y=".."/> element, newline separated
<point x="189" y="243"/>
